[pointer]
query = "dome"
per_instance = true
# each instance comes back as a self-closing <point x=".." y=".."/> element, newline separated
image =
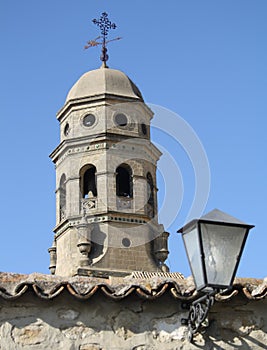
<point x="104" y="81"/>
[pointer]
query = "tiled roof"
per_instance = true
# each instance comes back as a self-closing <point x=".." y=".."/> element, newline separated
<point x="13" y="286"/>
<point x="146" y="275"/>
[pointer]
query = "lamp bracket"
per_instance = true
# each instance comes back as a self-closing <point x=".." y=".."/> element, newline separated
<point x="197" y="321"/>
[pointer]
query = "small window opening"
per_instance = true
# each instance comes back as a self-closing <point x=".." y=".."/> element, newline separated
<point x="67" y="129"/>
<point x="62" y="196"/>
<point x="121" y="119"/>
<point x="144" y="128"/>
<point x="150" y="191"/>
<point x="126" y="242"/>
<point x="124" y="181"/>
<point x="89" y="189"/>
<point x="89" y="120"/>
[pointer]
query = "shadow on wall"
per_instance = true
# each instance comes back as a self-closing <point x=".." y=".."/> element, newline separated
<point x="98" y="244"/>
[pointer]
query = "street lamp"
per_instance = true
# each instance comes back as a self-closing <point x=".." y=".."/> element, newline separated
<point x="214" y="245"/>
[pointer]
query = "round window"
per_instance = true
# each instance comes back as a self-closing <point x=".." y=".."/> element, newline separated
<point x="121" y="119"/>
<point x="89" y="120"/>
<point x="144" y="128"/>
<point x="126" y="242"/>
<point x="67" y="129"/>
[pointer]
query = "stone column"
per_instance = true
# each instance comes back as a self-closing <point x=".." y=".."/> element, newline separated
<point x="139" y="194"/>
<point x="102" y="191"/>
<point x="57" y="192"/>
<point x="53" y="258"/>
<point x="73" y="205"/>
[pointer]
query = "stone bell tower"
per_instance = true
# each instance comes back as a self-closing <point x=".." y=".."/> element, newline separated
<point x="106" y="194"/>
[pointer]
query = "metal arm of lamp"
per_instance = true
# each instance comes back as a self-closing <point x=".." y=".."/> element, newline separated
<point x="214" y="245"/>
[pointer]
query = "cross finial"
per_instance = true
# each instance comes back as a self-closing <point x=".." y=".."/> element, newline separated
<point x="105" y="25"/>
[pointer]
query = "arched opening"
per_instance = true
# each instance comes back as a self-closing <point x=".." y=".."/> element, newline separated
<point x="88" y="181"/>
<point x="150" y="194"/>
<point x="62" y="197"/>
<point x="124" y="186"/>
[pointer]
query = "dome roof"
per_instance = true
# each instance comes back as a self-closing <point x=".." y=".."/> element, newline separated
<point x="104" y="81"/>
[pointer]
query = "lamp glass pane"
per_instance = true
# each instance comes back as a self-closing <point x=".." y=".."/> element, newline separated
<point x="221" y="246"/>
<point x="191" y="242"/>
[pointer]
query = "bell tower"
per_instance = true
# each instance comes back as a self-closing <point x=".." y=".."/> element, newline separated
<point x="106" y="194"/>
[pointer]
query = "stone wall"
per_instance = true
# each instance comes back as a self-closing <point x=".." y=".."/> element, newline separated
<point x="100" y="323"/>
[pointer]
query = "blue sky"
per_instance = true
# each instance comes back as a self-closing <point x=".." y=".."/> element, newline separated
<point x="203" y="60"/>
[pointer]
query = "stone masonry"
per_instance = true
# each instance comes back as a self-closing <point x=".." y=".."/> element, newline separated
<point x="45" y="313"/>
<point x="105" y="127"/>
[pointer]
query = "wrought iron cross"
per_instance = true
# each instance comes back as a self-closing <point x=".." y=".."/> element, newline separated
<point x="105" y="25"/>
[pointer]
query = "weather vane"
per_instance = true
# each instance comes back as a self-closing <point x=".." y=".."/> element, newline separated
<point x="105" y="25"/>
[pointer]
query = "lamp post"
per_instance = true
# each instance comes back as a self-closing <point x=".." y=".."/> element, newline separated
<point x="214" y="245"/>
